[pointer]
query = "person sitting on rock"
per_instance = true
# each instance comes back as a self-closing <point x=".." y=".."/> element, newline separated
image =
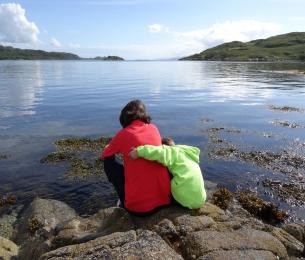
<point x="142" y="186"/>
<point x="182" y="161"/>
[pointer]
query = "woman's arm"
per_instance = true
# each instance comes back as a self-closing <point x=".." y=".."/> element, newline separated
<point x="113" y="147"/>
<point x="163" y="154"/>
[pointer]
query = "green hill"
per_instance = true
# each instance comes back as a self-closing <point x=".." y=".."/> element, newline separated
<point x="10" y="53"/>
<point x="285" y="47"/>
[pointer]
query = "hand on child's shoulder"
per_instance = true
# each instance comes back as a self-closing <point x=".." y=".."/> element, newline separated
<point x="133" y="154"/>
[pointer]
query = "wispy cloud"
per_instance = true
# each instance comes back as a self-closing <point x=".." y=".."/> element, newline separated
<point x="183" y="43"/>
<point x="188" y="42"/>
<point x="123" y="2"/>
<point x="155" y="28"/>
<point x="15" y="27"/>
<point x="55" y="43"/>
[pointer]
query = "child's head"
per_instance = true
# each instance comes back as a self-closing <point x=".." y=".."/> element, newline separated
<point x="135" y="109"/>
<point x="168" y="141"/>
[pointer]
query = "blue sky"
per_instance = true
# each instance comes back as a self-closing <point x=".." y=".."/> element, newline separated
<point x="143" y="29"/>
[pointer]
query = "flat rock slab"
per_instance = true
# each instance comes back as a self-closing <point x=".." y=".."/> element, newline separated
<point x="121" y="245"/>
<point x="240" y="255"/>
<point x="204" y="242"/>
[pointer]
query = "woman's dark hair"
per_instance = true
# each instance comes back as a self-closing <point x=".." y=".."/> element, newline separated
<point x="135" y="109"/>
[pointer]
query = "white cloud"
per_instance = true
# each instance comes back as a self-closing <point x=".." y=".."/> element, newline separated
<point x="155" y="28"/>
<point x="189" y="42"/>
<point x="244" y="30"/>
<point x="185" y="43"/>
<point x="55" y="43"/>
<point x="14" y="26"/>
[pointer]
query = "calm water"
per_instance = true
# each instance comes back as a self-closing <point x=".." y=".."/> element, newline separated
<point x="41" y="101"/>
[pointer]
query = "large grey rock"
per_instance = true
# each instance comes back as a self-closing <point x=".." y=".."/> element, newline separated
<point x="8" y="249"/>
<point x="80" y="230"/>
<point x="296" y="230"/>
<point x="110" y="220"/>
<point x="214" y="212"/>
<point x="203" y="242"/>
<point x="294" y="247"/>
<point x="128" y="245"/>
<point x="166" y="229"/>
<point x="38" y="224"/>
<point x="48" y="213"/>
<point x="186" y="223"/>
<point x="239" y="254"/>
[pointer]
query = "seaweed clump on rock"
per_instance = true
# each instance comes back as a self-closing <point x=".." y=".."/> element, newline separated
<point x="8" y="200"/>
<point x="293" y="192"/>
<point x="267" y="211"/>
<point x="285" y="109"/>
<point x="4" y="156"/>
<point x="82" y="144"/>
<point x="82" y="155"/>
<point x="34" y="225"/>
<point x="222" y="198"/>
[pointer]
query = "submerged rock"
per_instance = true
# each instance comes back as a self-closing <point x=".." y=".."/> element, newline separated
<point x="82" y="155"/>
<point x="4" y="156"/>
<point x="7" y="201"/>
<point x="82" y="144"/>
<point x="285" y="108"/>
<point x="57" y="157"/>
<point x="286" y="123"/>
<point x="293" y="192"/>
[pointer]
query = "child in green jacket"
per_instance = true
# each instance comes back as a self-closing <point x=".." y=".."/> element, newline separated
<point x="187" y="185"/>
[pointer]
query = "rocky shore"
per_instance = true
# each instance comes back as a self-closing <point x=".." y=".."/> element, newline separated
<point x="50" y="229"/>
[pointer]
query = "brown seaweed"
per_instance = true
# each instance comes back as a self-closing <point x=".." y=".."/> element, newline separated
<point x="285" y="109"/>
<point x="34" y="225"/>
<point x="82" y="144"/>
<point x="293" y="192"/>
<point x="222" y="198"/>
<point x="267" y="211"/>
<point x="286" y="123"/>
<point x="81" y="154"/>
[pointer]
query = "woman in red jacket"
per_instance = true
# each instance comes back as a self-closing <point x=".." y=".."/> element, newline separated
<point x="142" y="185"/>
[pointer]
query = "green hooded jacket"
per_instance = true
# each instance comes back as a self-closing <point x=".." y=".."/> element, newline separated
<point x="182" y="161"/>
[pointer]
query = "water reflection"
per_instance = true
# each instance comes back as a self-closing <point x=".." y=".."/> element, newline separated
<point x="246" y="83"/>
<point x="20" y="88"/>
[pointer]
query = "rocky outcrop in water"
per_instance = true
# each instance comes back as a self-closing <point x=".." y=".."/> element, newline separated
<point x="49" y="229"/>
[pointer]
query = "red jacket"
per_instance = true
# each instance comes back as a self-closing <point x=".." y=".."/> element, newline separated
<point x="147" y="184"/>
